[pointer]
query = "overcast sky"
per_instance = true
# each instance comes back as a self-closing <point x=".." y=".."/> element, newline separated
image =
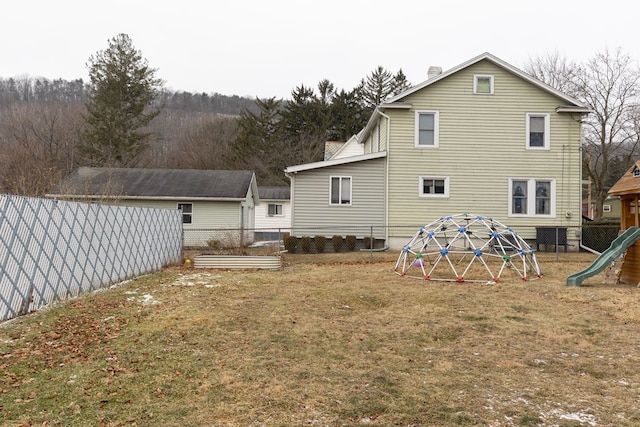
<point x="266" y="48"/>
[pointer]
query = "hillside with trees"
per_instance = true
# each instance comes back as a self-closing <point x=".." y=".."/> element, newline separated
<point x="48" y="128"/>
<point x="125" y="117"/>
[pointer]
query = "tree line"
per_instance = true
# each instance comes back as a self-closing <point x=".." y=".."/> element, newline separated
<point x="124" y="117"/>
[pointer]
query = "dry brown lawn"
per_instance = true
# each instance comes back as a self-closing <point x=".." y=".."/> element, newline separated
<point x="330" y="340"/>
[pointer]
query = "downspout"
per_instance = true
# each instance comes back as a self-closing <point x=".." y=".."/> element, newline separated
<point x="386" y="181"/>
<point x="291" y="193"/>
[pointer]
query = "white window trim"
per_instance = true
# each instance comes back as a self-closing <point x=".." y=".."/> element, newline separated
<point x="606" y="208"/>
<point x="276" y="214"/>
<point x="475" y="84"/>
<point x="350" y="190"/>
<point x="421" y="178"/>
<point x="547" y="131"/>
<point x="531" y="198"/>
<point x="436" y="128"/>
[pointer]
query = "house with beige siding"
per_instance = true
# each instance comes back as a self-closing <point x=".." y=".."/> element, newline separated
<point x="483" y="137"/>
<point x="216" y="204"/>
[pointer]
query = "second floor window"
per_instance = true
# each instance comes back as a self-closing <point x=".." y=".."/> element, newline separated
<point x="537" y="133"/>
<point x="426" y="129"/>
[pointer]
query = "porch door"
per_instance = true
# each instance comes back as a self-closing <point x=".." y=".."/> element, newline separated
<point x="629" y="212"/>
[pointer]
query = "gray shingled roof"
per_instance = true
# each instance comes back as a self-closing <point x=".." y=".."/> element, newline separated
<point x="156" y="183"/>
<point x="274" y="193"/>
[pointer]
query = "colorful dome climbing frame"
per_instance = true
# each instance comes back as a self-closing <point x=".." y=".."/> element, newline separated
<point x="465" y="247"/>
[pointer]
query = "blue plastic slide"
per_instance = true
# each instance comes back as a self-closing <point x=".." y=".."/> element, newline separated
<point x="617" y="248"/>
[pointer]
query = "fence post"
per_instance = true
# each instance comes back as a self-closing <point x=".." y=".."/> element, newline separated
<point x="371" y="243"/>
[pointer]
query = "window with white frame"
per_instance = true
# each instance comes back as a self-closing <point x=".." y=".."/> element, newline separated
<point x="532" y="197"/>
<point x="426" y="129"/>
<point x="606" y="208"/>
<point x="483" y="84"/>
<point x="340" y="190"/>
<point x="636" y="172"/>
<point x="187" y="212"/>
<point x="434" y="186"/>
<point x="274" y="209"/>
<point x="537" y="131"/>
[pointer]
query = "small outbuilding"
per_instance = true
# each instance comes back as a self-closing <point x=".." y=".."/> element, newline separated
<point x="215" y="204"/>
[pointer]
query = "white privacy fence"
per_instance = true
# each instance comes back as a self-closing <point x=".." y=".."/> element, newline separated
<point x="52" y="250"/>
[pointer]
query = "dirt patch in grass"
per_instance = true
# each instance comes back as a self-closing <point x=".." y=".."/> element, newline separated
<point x="332" y="339"/>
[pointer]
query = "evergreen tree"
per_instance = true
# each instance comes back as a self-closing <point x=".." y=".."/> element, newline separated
<point x="258" y="145"/>
<point x="123" y="99"/>
<point x="380" y="85"/>
<point x="400" y="83"/>
<point x="348" y="116"/>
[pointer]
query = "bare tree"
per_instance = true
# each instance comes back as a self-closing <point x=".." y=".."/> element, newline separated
<point x="609" y="84"/>
<point x="203" y="144"/>
<point x="556" y="71"/>
<point x="38" y="142"/>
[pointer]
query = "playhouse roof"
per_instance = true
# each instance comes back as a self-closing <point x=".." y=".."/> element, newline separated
<point x="629" y="183"/>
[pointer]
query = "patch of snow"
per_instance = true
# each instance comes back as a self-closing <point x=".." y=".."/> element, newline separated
<point x="574" y="416"/>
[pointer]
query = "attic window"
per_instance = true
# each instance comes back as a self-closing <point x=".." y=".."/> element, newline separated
<point x="483" y="84"/>
<point x="636" y="172"/>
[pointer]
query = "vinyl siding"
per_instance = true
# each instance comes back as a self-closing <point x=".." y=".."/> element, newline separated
<point x="205" y="214"/>
<point x="481" y="146"/>
<point x="264" y="221"/>
<point x="352" y="148"/>
<point x="377" y="138"/>
<point x="313" y="215"/>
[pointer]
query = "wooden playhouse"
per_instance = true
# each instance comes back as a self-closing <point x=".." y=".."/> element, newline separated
<point x="628" y="189"/>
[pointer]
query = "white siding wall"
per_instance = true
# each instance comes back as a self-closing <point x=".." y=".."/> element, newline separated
<point x="481" y="146"/>
<point x="206" y="217"/>
<point x="264" y="221"/>
<point x="351" y="148"/>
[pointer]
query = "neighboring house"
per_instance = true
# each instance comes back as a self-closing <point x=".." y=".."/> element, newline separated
<point x="273" y="213"/>
<point x="216" y="204"/>
<point x="610" y="208"/>
<point x="483" y="137"/>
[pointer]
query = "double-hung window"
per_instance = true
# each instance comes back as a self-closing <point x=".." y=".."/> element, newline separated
<point x="434" y="186"/>
<point x="426" y="133"/>
<point x="340" y="190"/>
<point x="537" y="131"/>
<point x="274" y="209"/>
<point x="187" y="212"/>
<point x="532" y="197"/>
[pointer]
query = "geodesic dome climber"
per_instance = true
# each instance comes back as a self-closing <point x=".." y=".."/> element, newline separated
<point x="454" y="248"/>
